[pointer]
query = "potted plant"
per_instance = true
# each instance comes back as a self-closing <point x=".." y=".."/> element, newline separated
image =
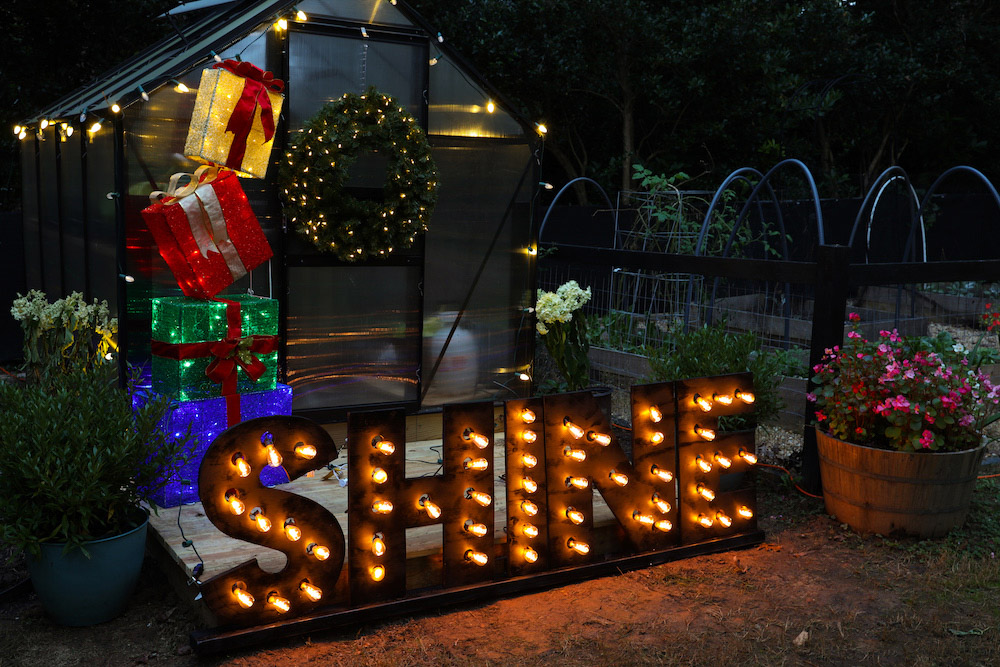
<point x="77" y="462"/>
<point x="899" y="428"/>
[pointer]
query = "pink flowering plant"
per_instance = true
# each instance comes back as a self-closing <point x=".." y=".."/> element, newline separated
<point x="902" y="393"/>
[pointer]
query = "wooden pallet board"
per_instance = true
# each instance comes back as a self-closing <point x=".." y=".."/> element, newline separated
<point x="221" y="552"/>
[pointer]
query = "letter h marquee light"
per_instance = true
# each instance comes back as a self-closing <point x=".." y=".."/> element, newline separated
<point x="686" y="489"/>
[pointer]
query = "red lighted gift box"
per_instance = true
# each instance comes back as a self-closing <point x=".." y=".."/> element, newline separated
<point x="206" y="231"/>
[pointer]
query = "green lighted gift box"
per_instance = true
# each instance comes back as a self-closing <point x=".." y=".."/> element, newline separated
<point x="181" y="321"/>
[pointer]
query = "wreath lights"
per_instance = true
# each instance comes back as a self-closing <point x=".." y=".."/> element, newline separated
<point x="317" y="166"/>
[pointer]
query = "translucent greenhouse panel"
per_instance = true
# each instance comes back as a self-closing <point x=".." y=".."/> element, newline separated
<point x="29" y="212"/>
<point x="353" y="335"/>
<point x="49" y="215"/>
<point x="478" y="185"/>
<point x="459" y="108"/>
<point x="73" y="215"/>
<point x="365" y="11"/>
<point x="324" y="67"/>
<point x="101" y="239"/>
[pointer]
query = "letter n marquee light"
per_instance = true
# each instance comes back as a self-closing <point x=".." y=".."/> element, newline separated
<point x="685" y="488"/>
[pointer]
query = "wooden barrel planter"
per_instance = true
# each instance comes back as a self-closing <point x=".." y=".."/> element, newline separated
<point x="925" y="494"/>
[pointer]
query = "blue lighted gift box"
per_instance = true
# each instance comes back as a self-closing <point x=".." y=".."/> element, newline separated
<point x="207" y="418"/>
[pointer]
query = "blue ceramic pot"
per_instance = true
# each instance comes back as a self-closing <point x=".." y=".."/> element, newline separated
<point x="76" y="590"/>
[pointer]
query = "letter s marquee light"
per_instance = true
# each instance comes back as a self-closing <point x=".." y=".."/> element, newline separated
<point x="685" y="489"/>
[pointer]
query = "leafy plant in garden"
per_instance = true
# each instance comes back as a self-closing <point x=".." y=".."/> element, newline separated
<point x="901" y="393"/>
<point x="563" y="327"/>
<point x="711" y="350"/>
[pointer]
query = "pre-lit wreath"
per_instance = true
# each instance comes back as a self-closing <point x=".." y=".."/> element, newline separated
<point x="316" y="170"/>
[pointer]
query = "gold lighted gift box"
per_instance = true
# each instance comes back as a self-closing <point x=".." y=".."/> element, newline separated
<point x="208" y="141"/>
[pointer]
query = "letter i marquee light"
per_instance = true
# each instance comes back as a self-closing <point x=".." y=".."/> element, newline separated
<point x="683" y="488"/>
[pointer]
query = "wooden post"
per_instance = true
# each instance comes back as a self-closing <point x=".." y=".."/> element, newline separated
<point x="832" y="263"/>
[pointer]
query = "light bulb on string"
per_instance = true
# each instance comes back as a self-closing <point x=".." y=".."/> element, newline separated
<point x="490" y="107"/>
<point x="17" y="130"/>
<point x="115" y="108"/>
<point x="95" y="127"/>
<point x="42" y="124"/>
<point x="180" y="87"/>
<point x="299" y="14"/>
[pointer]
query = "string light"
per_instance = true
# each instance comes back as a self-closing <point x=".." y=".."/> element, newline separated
<point x="724" y="519"/>
<point x="311" y="591"/>
<point x="273" y="456"/>
<point x="577" y="482"/>
<point x="380" y="476"/>
<point x="706" y="433"/>
<point x="299" y="14"/>
<point x="664" y="474"/>
<point x="529" y="436"/>
<point x="745" y="512"/>
<point x="475" y="464"/>
<point x="524" y="377"/>
<point x="577" y="455"/>
<point x="574" y="430"/>
<point x="529" y="530"/>
<point x="236" y="505"/>
<point x="541" y="129"/>
<point x="490" y="107"/>
<point x="703" y="403"/>
<point x="318" y="551"/>
<point x="529" y="460"/>
<point x="575" y="515"/>
<point x="724" y="399"/>
<point x="655" y="415"/>
<point x="381" y="507"/>
<point x="364" y="32"/>
<point x="529" y="485"/>
<point x="306" y="451"/>
<point x="644" y="519"/>
<point x="705" y="521"/>
<point x="42" y="124"/>
<point x="292" y="532"/>
<point x="278" y="602"/>
<point x="528" y="416"/>
<point x="433" y="511"/>
<point x="656" y="438"/>
<point x="17" y="130"/>
<point x="660" y="503"/>
<point x="529" y="508"/>
<point x="480" y="497"/>
<point x="242" y="467"/>
<point x="705" y="492"/>
<point x="243" y="595"/>
<point x="282" y="23"/>
<point x="578" y="546"/>
<point x="663" y="525"/>
<point x="378" y="544"/>
<point x="530" y="555"/>
<point x="215" y="56"/>
<point x="723" y="460"/>
<point x="180" y="87"/>
<point x="621" y="479"/>
<point x="115" y="108"/>
<point x="383" y="445"/>
<point x="263" y="523"/>
<point x="602" y="439"/>
<point x="477" y="557"/>
<point x="477" y="529"/>
<point x="747" y="456"/>
<point x="435" y="59"/>
<point x="377" y="572"/>
<point x="703" y="465"/>
<point x="22" y="134"/>
<point x="745" y="396"/>
<point x="96" y="127"/>
<point x="480" y="440"/>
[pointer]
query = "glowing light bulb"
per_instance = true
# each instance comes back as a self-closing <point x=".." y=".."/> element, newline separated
<point x="575" y="515"/>
<point x="530" y="555"/>
<point x="529" y="508"/>
<point x="749" y="457"/>
<point x="529" y="530"/>
<point x="278" y="602"/>
<point x="477" y="529"/>
<point x="656" y="438"/>
<point x="705" y="492"/>
<point x="574" y="430"/>
<point x="483" y="499"/>
<point x="664" y="474"/>
<point x="724" y="399"/>
<point x="703" y="403"/>
<point x="578" y="546"/>
<point x="706" y="433"/>
<point x="22" y="134"/>
<point x="490" y="107"/>
<point x="377" y="572"/>
<point x="69" y="130"/>
<point x="745" y="512"/>
<point x="703" y="465"/>
<point x="306" y="451"/>
<point x="145" y="95"/>
<point x="480" y="440"/>
<point x="529" y="485"/>
<point x="655" y="414"/>
<point x="660" y="503"/>
<point x="477" y="557"/>
<point x="17" y="130"/>
<point x="380" y="476"/>
<point x="95" y="128"/>
<point x="242" y="467"/>
<point x="236" y="505"/>
<point x="433" y="510"/>
<point x="619" y="478"/>
<point x="723" y="460"/>
<point x="301" y="15"/>
<point x="528" y="416"/>
<point x="745" y="396"/>
<point x="602" y="439"/>
<point x="663" y="525"/>
<point x="577" y="482"/>
<point x="705" y="521"/>
<point x="383" y="445"/>
<point x="283" y="23"/>
<point x="273" y="456"/>
<point x="724" y="519"/>
<point x="115" y="108"/>
<point x="644" y="519"/>
<point x="263" y="523"/>
<point x="181" y="88"/>
<point x="541" y="129"/>
<point x="292" y="532"/>
<point x="529" y="436"/>
<point x="242" y="595"/>
<point x="529" y="460"/>
<point x="524" y="377"/>
<point x="378" y="544"/>
<point x="311" y="591"/>
<point x="381" y="507"/>
<point x="475" y="464"/>
<point x="577" y="455"/>
<point x="44" y="123"/>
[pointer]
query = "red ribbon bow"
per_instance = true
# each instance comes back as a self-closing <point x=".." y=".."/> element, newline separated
<point x="256" y="84"/>
<point x="227" y="357"/>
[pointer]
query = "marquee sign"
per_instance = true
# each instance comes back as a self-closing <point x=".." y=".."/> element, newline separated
<point x="683" y="489"/>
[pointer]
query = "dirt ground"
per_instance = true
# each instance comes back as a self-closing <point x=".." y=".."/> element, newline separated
<point x="813" y="594"/>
